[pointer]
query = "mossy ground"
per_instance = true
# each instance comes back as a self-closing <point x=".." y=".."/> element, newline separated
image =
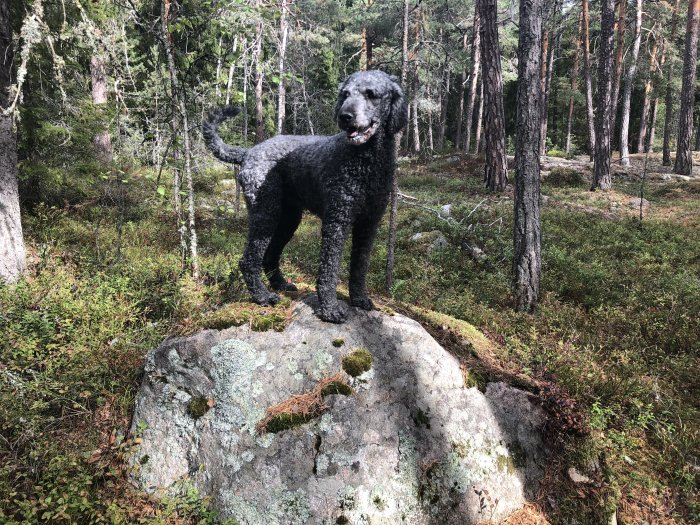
<point x="617" y="331"/>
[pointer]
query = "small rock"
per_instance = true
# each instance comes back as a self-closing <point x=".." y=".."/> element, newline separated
<point x="440" y="242"/>
<point x="416" y="224"/>
<point x="417" y="236"/>
<point x="476" y="253"/>
<point x="545" y="199"/>
<point x="577" y="477"/>
<point x="634" y="203"/>
<point x="446" y="210"/>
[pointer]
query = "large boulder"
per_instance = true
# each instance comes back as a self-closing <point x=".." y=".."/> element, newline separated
<point x="409" y="444"/>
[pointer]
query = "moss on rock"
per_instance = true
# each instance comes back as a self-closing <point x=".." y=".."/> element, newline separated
<point x="358" y="362"/>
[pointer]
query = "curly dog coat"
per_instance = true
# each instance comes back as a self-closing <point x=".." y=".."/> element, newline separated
<point x="345" y="179"/>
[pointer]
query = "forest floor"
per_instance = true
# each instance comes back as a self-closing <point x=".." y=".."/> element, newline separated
<point x="612" y="351"/>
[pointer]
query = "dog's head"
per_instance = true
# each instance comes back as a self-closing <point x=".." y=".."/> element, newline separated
<point x="367" y="101"/>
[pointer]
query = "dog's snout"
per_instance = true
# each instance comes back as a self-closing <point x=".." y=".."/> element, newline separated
<point x="345" y="117"/>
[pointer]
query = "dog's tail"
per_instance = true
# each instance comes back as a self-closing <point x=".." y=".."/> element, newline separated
<point x="210" y="129"/>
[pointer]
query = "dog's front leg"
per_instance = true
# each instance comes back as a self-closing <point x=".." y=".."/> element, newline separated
<point x="333" y="234"/>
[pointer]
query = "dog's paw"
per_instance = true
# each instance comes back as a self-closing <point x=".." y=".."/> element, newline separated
<point x="362" y="302"/>
<point x="336" y="313"/>
<point x="284" y="286"/>
<point x="266" y="299"/>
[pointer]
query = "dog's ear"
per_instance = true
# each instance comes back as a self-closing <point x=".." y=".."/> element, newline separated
<point x="398" y="111"/>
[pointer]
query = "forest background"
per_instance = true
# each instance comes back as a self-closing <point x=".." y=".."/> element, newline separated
<point x="132" y="231"/>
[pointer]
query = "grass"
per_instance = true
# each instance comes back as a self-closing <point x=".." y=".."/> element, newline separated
<point x="616" y="334"/>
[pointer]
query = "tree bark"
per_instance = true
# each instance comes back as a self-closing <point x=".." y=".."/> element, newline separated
<point x="394" y="198"/>
<point x="444" y="99"/>
<point x="259" y="74"/>
<point x="526" y="226"/>
<point x="669" y="91"/>
<point x="619" y="55"/>
<point x="627" y="95"/>
<point x="182" y="109"/>
<point x="473" y="78"/>
<point x="684" y="156"/>
<point x="587" y="77"/>
<point x="543" y="83"/>
<point x="574" y="86"/>
<point x="496" y="165"/>
<point x="102" y="141"/>
<point x="460" y="111"/>
<point x="479" y="121"/>
<point x="12" y="253"/>
<point x="602" y="178"/>
<point x="642" y="142"/>
<point x="282" y="91"/>
<point x="414" y="92"/>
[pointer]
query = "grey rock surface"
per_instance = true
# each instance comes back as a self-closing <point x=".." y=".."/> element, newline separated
<point x="410" y="445"/>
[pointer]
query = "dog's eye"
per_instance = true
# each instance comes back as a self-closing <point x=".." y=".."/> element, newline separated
<point x="371" y="94"/>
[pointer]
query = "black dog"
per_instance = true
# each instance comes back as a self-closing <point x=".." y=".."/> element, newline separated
<point x="345" y="179"/>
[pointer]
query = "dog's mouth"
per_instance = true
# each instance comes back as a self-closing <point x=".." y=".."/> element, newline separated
<point x="361" y="135"/>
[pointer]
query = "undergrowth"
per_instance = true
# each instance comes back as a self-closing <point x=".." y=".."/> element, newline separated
<point x="617" y="330"/>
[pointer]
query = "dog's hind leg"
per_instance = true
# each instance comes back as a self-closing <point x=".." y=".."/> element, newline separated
<point x="262" y="220"/>
<point x="287" y="225"/>
<point x="363" y="233"/>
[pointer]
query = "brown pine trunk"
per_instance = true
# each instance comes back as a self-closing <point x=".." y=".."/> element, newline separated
<point x="601" y="168"/>
<point x="619" y="55"/>
<point x="669" y="91"/>
<point x="574" y="87"/>
<point x="642" y="143"/>
<point x="282" y="91"/>
<point x="496" y="165"/>
<point x="526" y="225"/>
<point x="12" y="253"/>
<point x="587" y="77"/>
<point x="473" y="78"/>
<point x="684" y="157"/>
<point x="102" y="141"/>
<point x="627" y="95"/>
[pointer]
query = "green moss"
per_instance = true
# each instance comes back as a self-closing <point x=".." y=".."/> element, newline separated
<point x="274" y="321"/>
<point x="286" y="421"/>
<point x="517" y="453"/>
<point x="474" y="378"/>
<point x="338" y="342"/>
<point x="505" y="463"/>
<point x="198" y="406"/>
<point x="358" y="362"/>
<point x="337" y="387"/>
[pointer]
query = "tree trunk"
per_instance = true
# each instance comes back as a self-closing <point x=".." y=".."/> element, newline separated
<point x="12" y="254"/>
<point x="496" y="166"/>
<point x="619" y="55"/>
<point x="182" y="109"/>
<point x="282" y="92"/>
<point x="587" y="77"/>
<point x="414" y="93"/>
<point x="259" y="74"/>
<point x="543" y="89"/>
<point x="629" y="83"/>
<point x="102" y="141"/>
<point x="602" y="178"/>
<point x="474" y="77"/>
<point x="479" y="120"/>
<point x="443" y="109"/>
<point x="669" y="91"/>
<point x="394" y="198"/>
<point x="684" y="157"/>
<point x="574" y="87"/>
<point x="460" y="111"/>
<point x="642" y="143"/>
<point x="526" y="226"/>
